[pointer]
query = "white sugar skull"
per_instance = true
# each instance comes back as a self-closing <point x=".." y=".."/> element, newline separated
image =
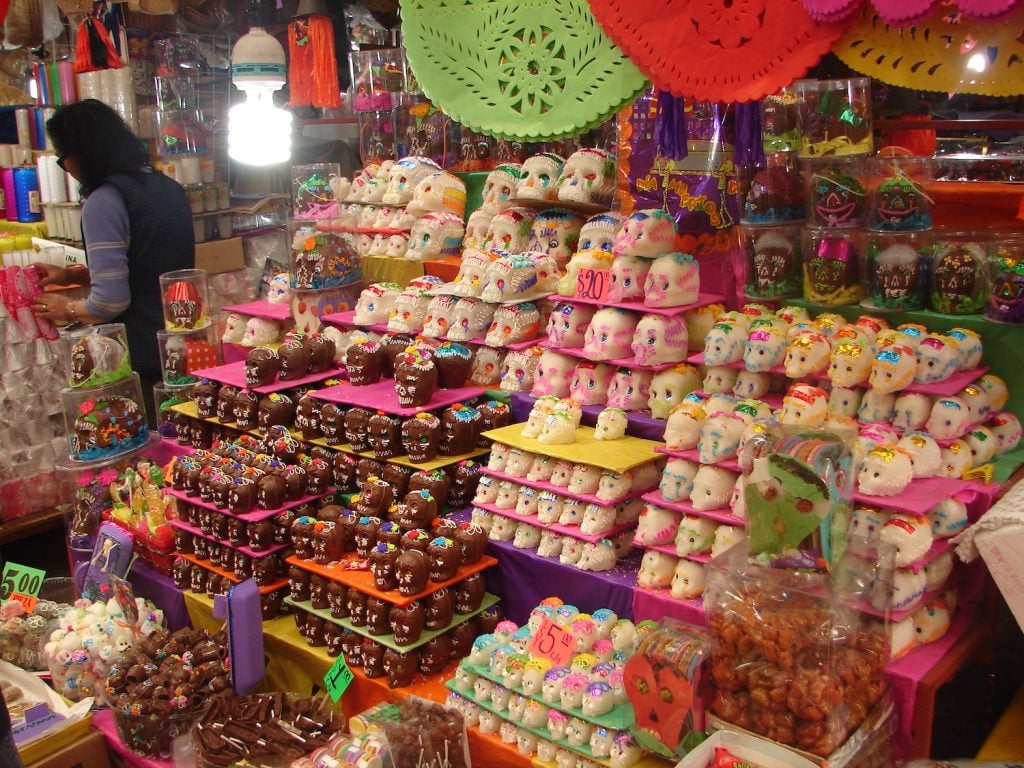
<point x="658" y="340"/>
<point x="559" y="429"/>
<point x="614" y="485"/>
<point x="260" y="331"/>
<point x="629" y="390"/>
<point x="682" y="431"/>
<point x="507" y="496"/>
<point x="410" y="311"/>
<point x="956" y="459"/>
<point x="588" y="176"/>
<point x="550" y="543"/>
<point x="527" y="536"/>
<point x="893" y="368"/>
<point x="925" y="454"/>
<point x="673" y="281"/>
<point x="553" y="375"/>
<point x="656" y="526"/>
<point x="725" y="343"/>
<point x="949" y="418"/>
<point x="438" y="316"/>
<point x="357" y="190"/>
<point x="656" y="569"/>
<point x="998" y="394"/>
<point x="931" y="621"/>
<point x="477" y="224"/>
<point x="764" y="349"/>
<point x="397" y="245"/>
<point x="469" y="319"/>
<point x="549" y="507"/>
<point x="384" y="216"/>
<point x="611" y="424"/>
<point x="509" y="277"/>
<point x="906" y="590"/>
<point x="541" y="468"/>
<point x="628" y="276"/>
<point x="720" y="380"/>
<point x="937" y="359"/>
<point x="886" y="471"/>
<point x="234" y="329"/>
<point x="518" y="462"/>
<point x="807" y="353"/>
<point x="519" y="369"/>
<point x="876" y="407"/>
<point x="911" y="411"/>
<point x="404" y="177"/>
<point x="487" y="364"/>
<point x="750" y="385"/>
<point x="936" y="574"/>
<point x="687" y="580"/>
<point x="572" y="551"/>
<point x="844" y="402"/>
<point x="510" y="231"/>
<point x="969" y="347"/>
<point x="727" y="536"/>
<point x="720" y="438"/>
<point x="598" y="232"/>
<point x="866" y="526"/>
<point x="486" y="490"/>
<point x="500" y="187"/>
<point x="699" y="321"/>
<point x="584" y="479"/>
<point x="590" y="382"/>
<point x="540" y="177"/>
<point x="434" y="236"/>
<point x="1007" y="429"/>
<point x="668" y="388"/>
<point x="902" y="637"/>
<point x="948" y="518"/>
<point x="610" y="334"/>
<point x="712" y="488"/>
<point x="439" y="192"/>
<point x="976" y="399"/>
<point x="567" y="324"/>
<point x="695" y="535"/>
<point x="378" y="245"/>
<point x="376" y="302"/>
<point x="582" y="259"/>
<point x="804" y="405"/>
<point x="502" y="529"/>
<point x="597" y="520"/>
<point x="513" y="323"/>
<point x="278" y="291"/>
<point x="677" y="479"/>
<point x="648" y="233"/>
<point x="716" y="402"/>
<point x="556" y="233"/>
<point x="983" y="445"/>
<point x="543" y="406"/>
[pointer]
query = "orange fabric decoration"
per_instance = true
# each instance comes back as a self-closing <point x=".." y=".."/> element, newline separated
<point x="94" y="50"/>
<point x="312" y="65"/>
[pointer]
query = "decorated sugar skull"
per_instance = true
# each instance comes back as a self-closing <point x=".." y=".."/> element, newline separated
<point x="613" y="486"/>
<point x="527" y="536"/>
<point x="376" y="302"/>
<point x="610" y="334"/>
<point x="673" y="281"/>
<point x="628" y="276"/>
<point x="677" y="479"/>
<point x="925" y="454"/>
<point x="998" y="394"/>
<point x="434" y="236"/>
<point x="486" y="490"/>
<point x="611" y="424"/>
<point x="597" y="556"/>
<point x="907" y="588"/>
<point x="695" y="535"/>
<point x="555" y="232"/>
<point x="629" y="390"/>
<point x="937" y="358"/>
<point x="725" y="343"/>
<point x="487" y="366"/>
<point x="403" y="178"/>
<point x="567" y="325"/>
<point x="590" y="382"/>
<point x="277" y="290"/>
<point x="668" y="388"/>
<point x="378" y="245"/>
<point x="540" y="177"/>
<point x="1007" y="429"/>
<point x="502" y="529"/>
<point x="876" y="406"/>
<point x="439" y="192"/>
<point x="911" y="538"/>
<point x="765" y="348"/>
<point x="969" y="347"/>
<point x="518" y="462"/>
<point x="949" y="419"/>
<point x="553" y="375"/>
<point x="902" y="637"/>
<point x="234" y="329"/>
<point x="687" y="580"/>
<point x="720" y="438"/>
<point x="509" y="231"/>
<point x="597" y="520"/>
<point x="648" y="233"/>
<point x="976" y="399"/>
<point x="508" y="278"/>
<point x="712" y="488"/>
<point x="549" y="507"/>
<point x="512" y="323"/>
<point x="559" y="429"/>
<point x="519" y="369"/>
<point x="477" y="224"/>
<point x="469" y="318"/>
<point x="658" y="340"/>
<point x="500" y="187"/>
<point x="682" y="431"/>
<point x="983" y="444"/>
<point x="750" y="385"/>
<point x="588" y="176"/>
<point x="887" y="471"/>
<point x="804" y="405"/>
<point x="584" y="479"/>
<point x="656" y="526"/>
<point x="656" y="570"/>
<point x="956" y="459"/>
<point x="438" y="316"/>
<point x="550" y="542"/>
<point x="410" y="311"/>
<point x="807" y="353"/>
<point x="893" y="368"/>
<point x="542" y="407"/>
<point x="948" y="518"/>
<point x="866" y="526"/>
<point x="931" y="621"/>
<point x="397" y="245"/>
<point x="911" y="411"/>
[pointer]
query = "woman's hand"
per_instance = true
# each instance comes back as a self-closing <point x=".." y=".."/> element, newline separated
<point x="53" y="306"/>
<point x="51" y="275"/>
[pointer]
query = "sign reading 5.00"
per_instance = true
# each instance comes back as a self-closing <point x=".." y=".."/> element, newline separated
<point x="20" y="579"/>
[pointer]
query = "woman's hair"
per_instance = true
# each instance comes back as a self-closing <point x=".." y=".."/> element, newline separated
<point x="98" y="139"/>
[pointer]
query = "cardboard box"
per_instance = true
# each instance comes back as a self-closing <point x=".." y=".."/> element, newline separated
<point x="217" y="256"/>
<point x="88" y="752"/>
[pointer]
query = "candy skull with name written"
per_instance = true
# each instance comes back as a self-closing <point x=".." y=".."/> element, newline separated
<point x="510" y="231"/>
<point x="435" y="236"/>
<point x="673" y="281"/>
<point x="658" y="340"/>
<point x="556" y="233"/>
<point x="500" y="187"/>
<point x="513" y="323"/>
<point x="668" y="388"/>
<point x="553" y="375"/>
<point x="647" y="233"/>
<point x="628" y="276"/>
<point x="850" y="363"/>
<point x="720" y="437"/>
<point x="610" y="334"/>
<point x="629" y="390"/>
<point x="509" y="277"/>
<point x="807" y="353"/>
<point x="568" y="323"/>
<point x="540" y="177"/>
<point x="519" y="369"/>
<point x="804" y="405"/>
<point x="588" y="176"/>
<point x="893" y="368"/>
<point x="439" y="192"/>
<point x="937" y="359"/>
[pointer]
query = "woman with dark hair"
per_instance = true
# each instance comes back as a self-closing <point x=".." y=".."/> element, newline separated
<point x="136" y="224"/>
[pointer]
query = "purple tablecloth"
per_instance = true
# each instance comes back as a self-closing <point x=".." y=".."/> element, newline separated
<point x="640" y="424"/>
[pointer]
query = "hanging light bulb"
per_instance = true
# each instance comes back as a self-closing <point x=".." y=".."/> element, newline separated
<point x="258" y="132"/>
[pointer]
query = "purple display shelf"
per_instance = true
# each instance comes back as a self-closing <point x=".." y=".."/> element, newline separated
<point x="347" y="319"/>
<point x="382" y="397"/>
<point x="566" y="530"/>
<point x="640" y="423"/>
<point x="263" y="308"/>
<point x="698" y="557"/>
<point x="917" y="498"/>
<point x="561" y="491"/>
<point x="623" y="362"/>
<point x="703" y="299"/>
<point x="245" y="550"/>
<point x="718" y="515"/>
<point x="249" y="517"/>
<point x="234" y="374"/>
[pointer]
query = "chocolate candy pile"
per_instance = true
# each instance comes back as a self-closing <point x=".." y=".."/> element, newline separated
<point x="427" y="734"/>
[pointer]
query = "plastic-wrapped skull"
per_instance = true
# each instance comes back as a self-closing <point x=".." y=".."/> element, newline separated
<point x="404" y="176"/>
<point x="510" y="231"/>
<point x="611" y="424"/>
<point x="949" y="419"/>
<point x="629" y="389"/>
<point x="610" y="334"/>
<point x="628" y="276"/>
<point x="727" y="536"/>
<point x="512" y="323"/>
<point x="556" y="233"/>
<point x="439" y="192"/>
<point x="925" y="454"/>
<point x="682" y="430"/>
<point x="673" y="281"/>
<point x="648" y="233"/>
<point x="500" y="187"/>
<point x="712" y="488"/>
<point x="937" y="359"/>
<point x="804" y="405"/>
<point x="567" y="324"/>
<point x="668" y="388"/>
<point x="893" y="368"/>
<point x="519" y="369"/>
<point x="866" y="526"/>
<point x="887" y="471"/>
<point x="588" y="176"/>
<point x="540" y="177"/>
<point x="658" y="340"/>
<point x="720" y="438"/>
<point x="807" y="353"/>
<point x="553" y="375"/>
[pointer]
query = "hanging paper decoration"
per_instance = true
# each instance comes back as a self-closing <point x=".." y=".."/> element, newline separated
<point x="904" y="13"/>
<point x="988" y="10"/>
<point x="947" y="53"/>
<point x="539" y="71"/>
<point x="94" y="49"/>
<point x="825" y="11"/>
<point x="707" y="49"/>
<point x="312" y="66"/>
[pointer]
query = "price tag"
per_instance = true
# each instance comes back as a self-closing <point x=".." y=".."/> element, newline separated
<point x="27" y="602"/>
<point x="338" y="678"/>
<point x="22" y="580"/>
<point x="552" y="642"/>
<point x="593" y="284"/>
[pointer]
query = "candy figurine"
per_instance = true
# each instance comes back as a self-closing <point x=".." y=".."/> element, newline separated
<point x="887" y="471"/>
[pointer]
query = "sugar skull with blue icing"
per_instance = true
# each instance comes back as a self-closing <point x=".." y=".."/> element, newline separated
<point x="807" y="353"/>
<point x="893" y="368"/>
<point x="555" y="232"/>
<point x="720" y="438"/>
<point x="540" y="174"/>
<point x="764" y="349"/>
<point x="937" y="359"/>
<point x="949" y="419"/>
<point x="725" y="343"/>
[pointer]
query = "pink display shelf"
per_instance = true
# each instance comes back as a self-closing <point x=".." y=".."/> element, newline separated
<point x="657" y="604"/>
<point x="690" y="454"/>
<point x="347" y="319"/>
<point x="245" y="550"/>
<point x="917" y="498"/>
<point x="234" y="374"/>
<point x="703" y="299"/>
<point x="566" y="530"/>
<point x="249" y="517"/>
<point x="622" y="362"/>
<point x="718" y="515"/>
<point x="263" y="308"/>
<point x="382" y="397"/>
<point x="561" y="491"/>
<point x="233" y="352"/>
<point x="698" y="557"/>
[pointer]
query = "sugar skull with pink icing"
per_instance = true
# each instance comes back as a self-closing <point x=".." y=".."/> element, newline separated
<point x="648" y="233"/>
<point x="673" y="281"/>
<point x="629" y="390"/>
<point x="553" y="375"/>
<point x="610" y="334"/>
<point x="659" y="339"/>
<point x="590" y="381"/>
<point x="628" y="276"/>
<point x="568" y="323"/>
<point x="1007" y="429"/>
<point x="582" y="259"/>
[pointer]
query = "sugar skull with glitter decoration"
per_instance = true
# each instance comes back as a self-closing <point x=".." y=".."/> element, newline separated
<point x="553" y="375"/>
<point x="519" y="368"/>
<point x="439" y="192"/>
<point x="510" y="231"/>
<point x="720" y="438"/>
<point x="567" y="325"/>
<point x="434" y="236"/>
<point x="513" y="323"/>
<point x="850" y="363"/>
<point x="682" y="430"/>
<point x="937" y="359"/>
<point x="886" y="471"/>
<point x="893" y="368"/>
<point x="629" y="389"/>
<point x="540" y="175"/>
<point x="508" y="278"/>
<point x="278" y="291"/>
<point x="807" y="353"/>
<point x="628" y="276"/>
<point x="648" y="233"/>
<point x="588" y="176"/>
<point x="610" y="334"/>
<point x="949" y="419"/>
<point x="725" y="343"/>
<point x="925" y="454"/>
<point x="804" y="405"/>
<point x="555" y="232"/>
<point x="668" y="388"/>
<point x="764" y="349"/>
<point x="659" y="339"/>
<point x="673" y="281"/>
<point x="1007" y="429"/>
<point x="501" y="186"/>
<point x="590" y="381"/>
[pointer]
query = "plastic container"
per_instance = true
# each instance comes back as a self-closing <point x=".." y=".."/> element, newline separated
<point x="961" y="276"/>
<point x="836" y="192"/>
<point x="832" y="266"/>
<point x="834" y="117"/>
<point x="26" y="195"/>
<point x="321" y="259"/>
<point x="175" y="93"/>
<point x="181" y="132"/>
<point x="185" y="352"/>
<point x="772" y="260"/>
<point x="164" y="397"/>
<point x="776" y="192"/>
<point x="377" y="137"/>
<point x="312" y="195"/>
<point x="780" y="122"/>
<point x="1006" y="302"/>
<point x="895" y="270"/>
<point x="106" y="421"/>
<point x="897" y="199"/>
<point x="186" y="299"/>
<point x="153" y="735"/>
<point x="96" y="355"/>
<point x="378" y="77"/>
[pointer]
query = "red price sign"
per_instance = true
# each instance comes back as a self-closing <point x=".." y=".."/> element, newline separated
<point x="593" y="284"/>
<point x="27" y="601"/>
<point x="553" y="643"/>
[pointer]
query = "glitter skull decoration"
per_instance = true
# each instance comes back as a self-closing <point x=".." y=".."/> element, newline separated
<point x="629" y="390"/>
<point x="658" y="340"/>
<point x="764" y="349"/>
<point x="567" y="325"/>
<point x="804" y="405"/>
<point x="540" y="175"/>
<point x="886" y="471"/>
<point x="500" y="187"/>
<point x="519" y="369"/>
<point x="628" y="277"/>
<point x="937" y="359"/>
<point x="668" y="388"/>
<point x="509" y="231"/>
<point x="588" y="176"/>
<point x="469" y="319"/>
<point x="893" y="368"/>
<point x="555" y="232"/>
<point x="673" y="281"/>
<point x="648" y="234"/>
<point x="439" y="192"/>
<point x="434" y="236"/>
<point x="513" y="323"/>
<point x="589" y="384"/>
<point x="807" y="353"/>
<point x="610" y="334"/>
